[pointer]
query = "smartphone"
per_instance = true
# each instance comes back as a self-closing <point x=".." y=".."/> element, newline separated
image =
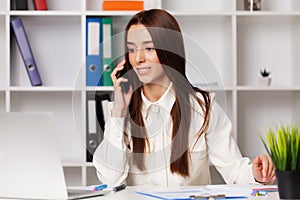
<point x="123" y="73"/>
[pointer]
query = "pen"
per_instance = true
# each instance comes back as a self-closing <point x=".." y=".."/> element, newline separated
<point x="265" y="189"/>
<point x="100" y="187"/>
<point x="259" y="193"/>
<point x="116" y="188"/>
<point x="208" y="197"/>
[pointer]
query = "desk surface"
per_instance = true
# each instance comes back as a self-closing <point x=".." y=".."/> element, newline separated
<point x="129" y="194"/>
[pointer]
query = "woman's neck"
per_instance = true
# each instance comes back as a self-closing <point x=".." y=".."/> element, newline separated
<point x="154" y="91"/>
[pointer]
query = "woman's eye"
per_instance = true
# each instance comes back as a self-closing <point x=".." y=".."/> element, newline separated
<point x="131" y="50"/>
<point x="150" y="48"/>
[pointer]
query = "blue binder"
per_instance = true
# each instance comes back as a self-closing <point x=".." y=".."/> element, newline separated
<point x="93" y="52"/>
<point x="26" y="52"/>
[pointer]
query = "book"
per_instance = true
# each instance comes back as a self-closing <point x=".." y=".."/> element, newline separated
<point x="40" y="4"/>
<point x="21" y="5"/>
<point x="123" y="5"/>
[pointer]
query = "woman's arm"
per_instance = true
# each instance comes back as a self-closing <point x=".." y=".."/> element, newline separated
<point x="226" y="156"/>
<point x="111" y="157"/>
<point x="223" y="150"/>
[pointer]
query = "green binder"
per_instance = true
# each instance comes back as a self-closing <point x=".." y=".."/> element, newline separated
<point x="107" y="51"/>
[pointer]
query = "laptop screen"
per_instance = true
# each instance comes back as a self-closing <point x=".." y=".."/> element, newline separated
<point x="30" y="161"/>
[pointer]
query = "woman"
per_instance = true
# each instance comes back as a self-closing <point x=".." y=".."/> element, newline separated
<point x="163" y="131"/>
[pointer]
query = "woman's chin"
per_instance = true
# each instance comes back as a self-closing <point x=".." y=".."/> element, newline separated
<point x="145" y="80"/>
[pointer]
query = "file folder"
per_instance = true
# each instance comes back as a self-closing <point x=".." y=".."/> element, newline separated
<point x="93" y="52"/>
<point x="107" y="47"/>
<point x="96" y="115"/>
<point x="40" y="5"/>
<point x="102" y="100"/>
<point x="21" y="5"/>
<point x="26" y="52"/>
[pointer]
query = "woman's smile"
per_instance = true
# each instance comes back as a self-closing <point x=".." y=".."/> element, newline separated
<point x="143" y="70"/>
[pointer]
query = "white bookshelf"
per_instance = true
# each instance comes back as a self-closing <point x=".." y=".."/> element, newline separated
<point x="224" y="43"/>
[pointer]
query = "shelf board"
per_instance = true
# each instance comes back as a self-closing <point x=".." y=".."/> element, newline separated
<point x="77" y="164"/>
<point x="72" y="164"/>
<point x="110" y="13"/>
<point x="100" y="88"/>
<point x="43" y="89"/>
<point x="111" y="88"/>
<point x="220" y="14"/>
<point x="215" y="89"/>
<point x="45" y="13"/>
<point x="267" y="13"/>
<point x="176" y="13"/>
<point x="270" y="88"/>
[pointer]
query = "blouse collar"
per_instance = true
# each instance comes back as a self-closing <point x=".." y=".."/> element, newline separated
<point x="166" y="101"/>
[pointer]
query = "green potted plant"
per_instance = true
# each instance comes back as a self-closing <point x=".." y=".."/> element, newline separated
<point x="265" y="78"/>
<point x="283" y="146"/>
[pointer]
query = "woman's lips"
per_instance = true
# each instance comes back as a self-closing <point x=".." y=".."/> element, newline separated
<point x="143" y="70"/>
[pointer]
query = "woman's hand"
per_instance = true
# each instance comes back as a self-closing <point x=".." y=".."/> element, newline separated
<point x="121" y="99"/>
<point x="263" y="169"/>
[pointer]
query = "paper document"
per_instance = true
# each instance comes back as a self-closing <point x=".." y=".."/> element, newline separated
<point x="246" y="189"/>
<point x="186" y="194"/>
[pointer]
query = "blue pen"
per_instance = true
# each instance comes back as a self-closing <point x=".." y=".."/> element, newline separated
<point x="100" y="187"/>
<point x="259" y="193"/>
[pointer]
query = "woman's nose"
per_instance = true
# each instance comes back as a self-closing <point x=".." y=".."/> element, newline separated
<point x="140" y="56"/>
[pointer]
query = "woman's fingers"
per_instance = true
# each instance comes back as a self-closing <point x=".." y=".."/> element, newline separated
<point x="119" y="67"/>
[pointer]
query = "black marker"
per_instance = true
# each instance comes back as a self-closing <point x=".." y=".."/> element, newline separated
<point x="116" y="188"/>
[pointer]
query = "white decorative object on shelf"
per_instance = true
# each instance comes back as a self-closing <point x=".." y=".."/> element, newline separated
<point x="252" y="5"/>
<point x="265" y="79"/>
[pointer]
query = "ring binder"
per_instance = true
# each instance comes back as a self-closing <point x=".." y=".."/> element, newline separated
<point x="26" y="52"/>
<point x="93" y="52"/>
<point x="96" y="115"/>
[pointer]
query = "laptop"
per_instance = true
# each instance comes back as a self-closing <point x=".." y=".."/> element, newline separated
<point x="30" y="162"/>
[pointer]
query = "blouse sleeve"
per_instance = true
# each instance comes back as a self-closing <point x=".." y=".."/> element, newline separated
<point x="223" y="150"/>
<point x="111" y="157"/>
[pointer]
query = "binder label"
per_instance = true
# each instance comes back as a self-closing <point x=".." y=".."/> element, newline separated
<point x="107" y="41"/>
<point x="92" y="116"/>
<point x="94" y="40"/>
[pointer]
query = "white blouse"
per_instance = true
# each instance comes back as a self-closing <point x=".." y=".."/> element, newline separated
<point x="113" y="157"/>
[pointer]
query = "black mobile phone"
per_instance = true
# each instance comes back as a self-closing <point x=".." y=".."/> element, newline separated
<point x="123" y="73"/>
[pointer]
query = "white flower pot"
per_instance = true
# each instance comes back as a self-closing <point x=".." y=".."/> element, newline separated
<point x="265" y="81"/>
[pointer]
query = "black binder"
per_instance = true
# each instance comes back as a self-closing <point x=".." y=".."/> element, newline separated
<point x="95" y="122"/>
<point x="21" y="5"/>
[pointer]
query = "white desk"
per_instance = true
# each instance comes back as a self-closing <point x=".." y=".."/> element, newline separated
<point x="129" y="194"/>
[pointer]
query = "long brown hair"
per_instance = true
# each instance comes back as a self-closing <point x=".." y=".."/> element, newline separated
<point x="168" y="42"/>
